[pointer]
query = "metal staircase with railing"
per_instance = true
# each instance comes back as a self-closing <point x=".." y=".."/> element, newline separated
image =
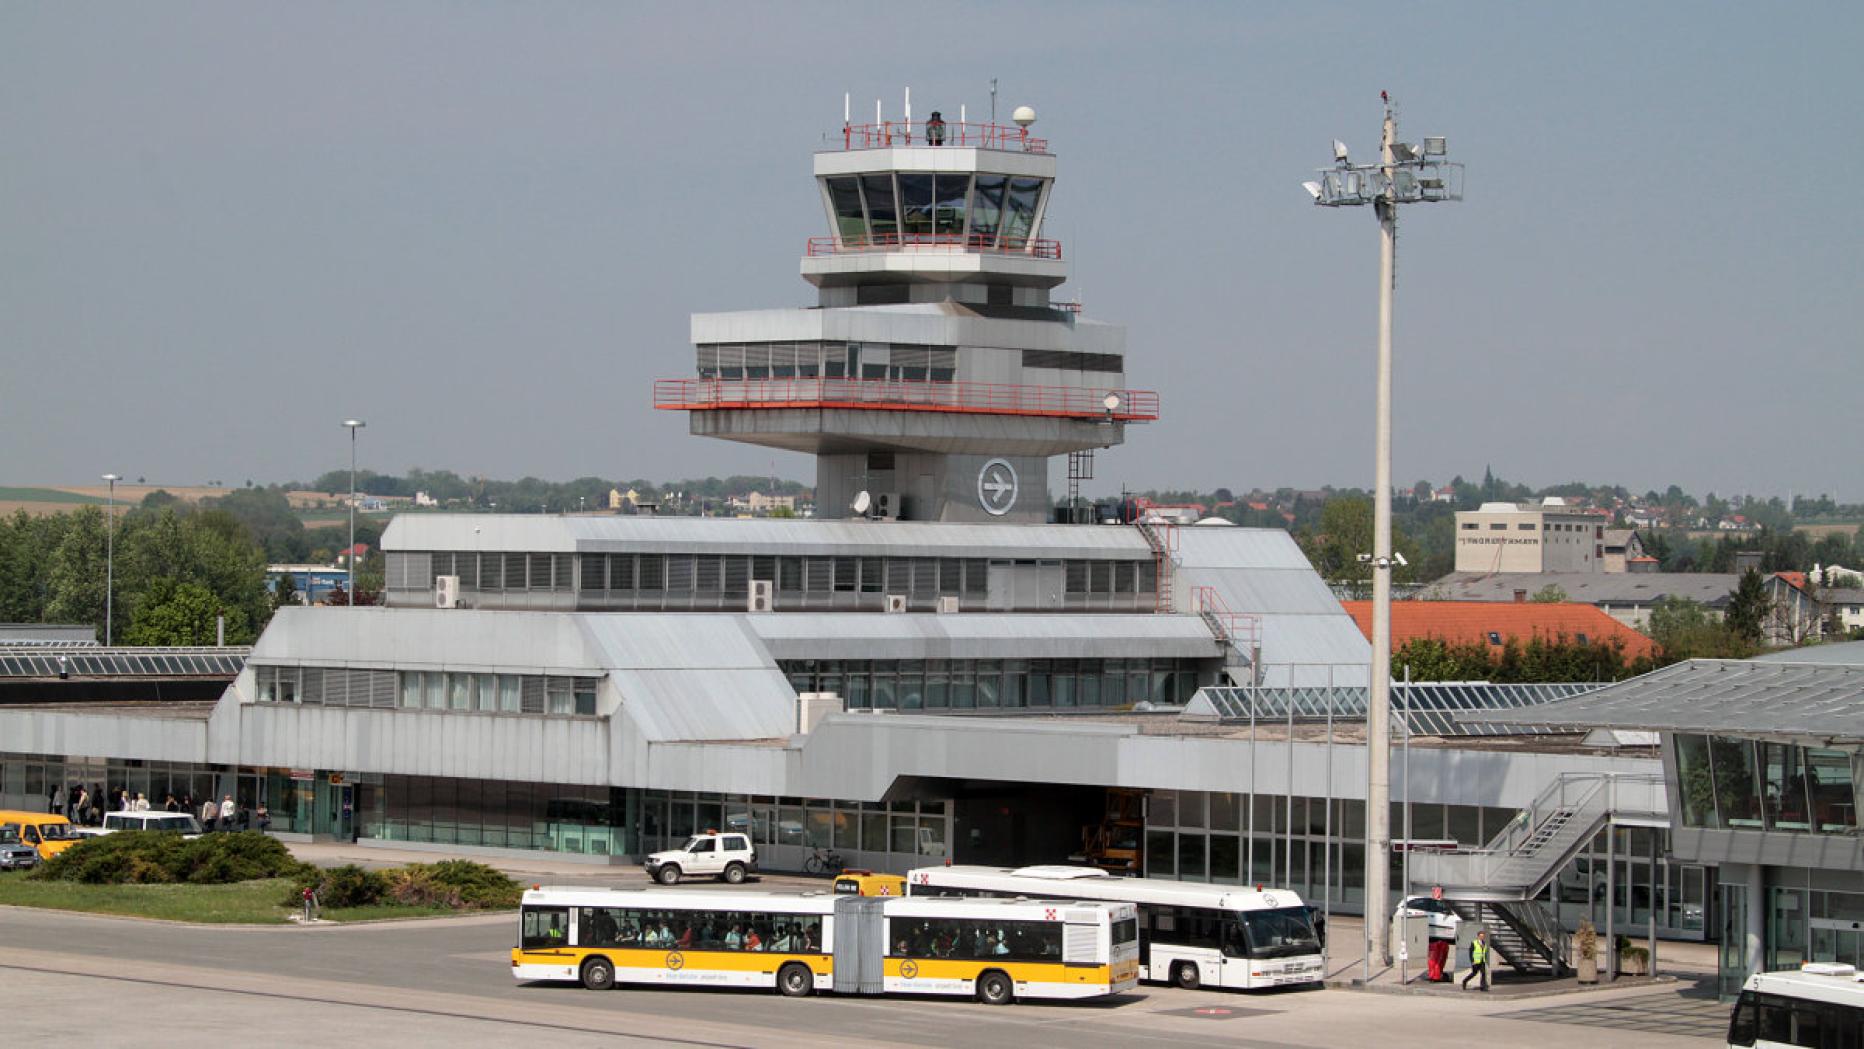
<point x="1162" y="537"/>
<point x="1497" y="885"/>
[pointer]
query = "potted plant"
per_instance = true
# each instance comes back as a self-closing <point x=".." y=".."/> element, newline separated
<point x="1586" y="949"/>
<point x="1632" y="959"/>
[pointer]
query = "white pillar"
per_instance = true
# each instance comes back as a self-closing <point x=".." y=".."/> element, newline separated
<point x="1378" y="705"/>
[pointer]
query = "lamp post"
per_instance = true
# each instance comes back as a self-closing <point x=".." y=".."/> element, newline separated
<point x="349" y="595"/>
<point x="110" y="565"/>
<point x="1404" y="174"/>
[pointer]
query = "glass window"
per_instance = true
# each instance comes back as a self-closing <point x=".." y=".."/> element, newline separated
<point x="916" y="204"/>
<point x="509" y="692"/>
<point x="757" y="362"/>
<point x="1019" y="224"/>
<point x="410" y="688"/>
<point x="1191" y="857"/>
<point x="881" y="213"/>
<point x="544" y="928"/>
<point x="1736" y="799"/>
<point x="436" y="684"/>
<point x="844" y="196"/>
<point x="459" y="695"/>
<point x="950" y="192"/>
<point x="1695" y="781"/>
<point x="585" y="696"/>
<point x="1784" y="787"/>
<point x="1828" y="781"/>
<point x="987" y="209"/>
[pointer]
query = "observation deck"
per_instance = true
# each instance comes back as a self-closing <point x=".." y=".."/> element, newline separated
<point x="963" y="398"/>
<point x="955" y="134"/>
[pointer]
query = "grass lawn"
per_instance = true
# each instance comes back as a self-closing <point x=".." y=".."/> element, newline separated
<point x="249" y="903"/>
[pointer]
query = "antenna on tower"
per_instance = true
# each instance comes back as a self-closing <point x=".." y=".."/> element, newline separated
<point x="993" y="100"/>
<point x="847" y="100"/>
<point x="909" y="105"/>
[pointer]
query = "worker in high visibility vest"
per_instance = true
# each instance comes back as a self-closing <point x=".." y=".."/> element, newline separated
<point x="1478" y="960"/>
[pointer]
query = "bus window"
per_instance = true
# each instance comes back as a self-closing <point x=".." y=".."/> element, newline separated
<point x="544" y="928"/>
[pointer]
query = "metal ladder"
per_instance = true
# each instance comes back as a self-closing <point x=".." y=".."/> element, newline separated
<point x="1163" y="539"/>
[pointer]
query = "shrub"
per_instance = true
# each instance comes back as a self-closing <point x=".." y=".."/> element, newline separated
<point x="153" y="857"/>
<point x="477" y="884"/>
<point x="351" y="886"/>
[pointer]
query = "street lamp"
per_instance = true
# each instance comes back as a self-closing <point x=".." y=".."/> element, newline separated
<point x="350" y="591"/>
<point x="110" y="565"/>
<point x="1404" y="174"/>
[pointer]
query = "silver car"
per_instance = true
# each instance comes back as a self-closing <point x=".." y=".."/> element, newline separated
<point x="14" y="854"/>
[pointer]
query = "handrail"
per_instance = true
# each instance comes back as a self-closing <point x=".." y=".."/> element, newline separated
<point x="953" y="133"/>
<point x="1035" y="247"/>
<point x="1589" y="795"/>
<point x="1237" y="627"/>
<point x="1079" y="402"/>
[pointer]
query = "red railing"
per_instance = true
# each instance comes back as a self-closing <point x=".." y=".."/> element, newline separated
<point x="975" y="398"/>
<point x="951" y="133"/>
<point x="937" y="242"/>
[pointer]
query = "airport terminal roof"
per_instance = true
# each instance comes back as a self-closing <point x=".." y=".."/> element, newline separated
<point x="1747" y="697"/>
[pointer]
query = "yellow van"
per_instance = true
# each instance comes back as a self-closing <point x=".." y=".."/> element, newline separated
<point x="48" y="832"/>
<point x="867" y="883"/>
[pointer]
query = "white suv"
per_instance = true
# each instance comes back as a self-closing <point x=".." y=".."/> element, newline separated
<point x="173" y="822"/>
<point x="726" y="856"/>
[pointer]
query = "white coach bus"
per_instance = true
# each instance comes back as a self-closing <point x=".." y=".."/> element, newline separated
<point x="1819" y="1005"/>
<point x="1191" y="934"/>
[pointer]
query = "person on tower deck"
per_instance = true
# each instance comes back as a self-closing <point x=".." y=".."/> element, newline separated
<point x="935" y="130"/>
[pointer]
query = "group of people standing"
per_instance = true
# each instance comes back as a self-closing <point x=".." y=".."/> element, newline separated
<point x="86" y="806"/>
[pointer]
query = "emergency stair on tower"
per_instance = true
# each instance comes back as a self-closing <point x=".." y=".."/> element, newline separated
<point x="1498" y="884"/>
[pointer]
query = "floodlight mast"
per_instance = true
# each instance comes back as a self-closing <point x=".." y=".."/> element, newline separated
<point x="1404" y="174"/>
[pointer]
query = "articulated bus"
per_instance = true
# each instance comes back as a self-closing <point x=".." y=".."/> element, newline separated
<point x="1190" y="934"/>
<point x="797" y="943"/>
<point x="1821" y="1005"/>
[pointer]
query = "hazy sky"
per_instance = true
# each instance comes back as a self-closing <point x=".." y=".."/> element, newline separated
<point x="481" y="227"/>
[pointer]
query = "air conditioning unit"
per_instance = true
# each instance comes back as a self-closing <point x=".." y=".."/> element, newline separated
<point x="896" y="602"/>
<point x="447" y="591"/>
<point x="947" y="605"/>
<point x="762" y="596"/>
<point x="886" y="505"/>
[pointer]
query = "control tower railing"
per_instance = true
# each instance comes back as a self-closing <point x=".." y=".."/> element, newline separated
<point x="1034" y="247"/>
<point x="892" y="133"/>
<point x="975" y="398"/>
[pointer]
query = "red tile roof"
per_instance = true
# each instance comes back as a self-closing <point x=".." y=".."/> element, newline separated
<point x="1797" y="580"/>
<point x="1466" y="621"/>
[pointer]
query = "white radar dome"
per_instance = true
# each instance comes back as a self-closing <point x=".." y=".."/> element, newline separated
<point x="1024" y="116"/>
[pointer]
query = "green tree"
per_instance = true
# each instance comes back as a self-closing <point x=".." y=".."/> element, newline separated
<point x="175" y="613"/>
<point x="1550" y="594"/>
<point x="1747" y="608"/>
<point x="26" y="546"/>
<point x="1683" y="629"/>
<point x="78" y="570"/>
<point x="285" y="590"/>
<point x="268" y="517"/>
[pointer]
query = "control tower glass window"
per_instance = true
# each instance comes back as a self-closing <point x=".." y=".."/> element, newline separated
<point x="950" y="194"/>
<point x="882" y="214"/>
<point x="850" y="223"/>
<point x="1019" y="224"/>
<point x="987" y="208"/>
<point x="916" y="204"/>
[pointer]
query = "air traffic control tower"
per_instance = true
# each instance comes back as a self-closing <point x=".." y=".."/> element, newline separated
<point x="936" y="377"/>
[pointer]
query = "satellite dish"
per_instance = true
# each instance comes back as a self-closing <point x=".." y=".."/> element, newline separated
<point x="861" y="502"/>
<point x="1024" y="116"/>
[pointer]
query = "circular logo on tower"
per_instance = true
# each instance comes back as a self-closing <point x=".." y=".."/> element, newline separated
<point x="996" y="487"/>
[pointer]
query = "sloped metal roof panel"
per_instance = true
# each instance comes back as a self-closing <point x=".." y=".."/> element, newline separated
<point x="980" y="636"/>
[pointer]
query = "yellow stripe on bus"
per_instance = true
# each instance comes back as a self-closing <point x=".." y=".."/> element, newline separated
<point x="674" y="959"/>
<point x="971" y="968"/>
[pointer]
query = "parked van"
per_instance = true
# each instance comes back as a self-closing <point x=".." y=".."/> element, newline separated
<point x="47" y="832"/>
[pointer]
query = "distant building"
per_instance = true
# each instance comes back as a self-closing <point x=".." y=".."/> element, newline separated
<point x="47" y="634"/>
<point x="360" y="551"/>
<point x="759" y="503"/>
<point x="1547" y="537"/>
<point x="1799" y="610"/>
<point x="423" y="499"/>
<point x="312" y="583"/>
<point x="1622" y="545"/>
<point x="1495" y="624"/>
<point x="1626" y="597"/>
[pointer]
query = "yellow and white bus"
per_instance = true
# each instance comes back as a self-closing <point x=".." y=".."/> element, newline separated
<point x="795" y="943"/>
<point x="1191" y="934"/>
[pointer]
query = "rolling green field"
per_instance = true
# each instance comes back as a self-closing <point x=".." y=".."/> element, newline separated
<point x="44" y="495"/>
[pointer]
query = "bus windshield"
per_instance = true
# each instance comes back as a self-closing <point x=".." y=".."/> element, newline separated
<point x="1270" y="934"/>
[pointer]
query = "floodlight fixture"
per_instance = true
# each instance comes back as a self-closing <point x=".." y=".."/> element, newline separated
<point x="1435" y="146"/>
<point x="1111" y="402"/>
<point x="1339" y="152"/>
<point x="1313" y="189"/>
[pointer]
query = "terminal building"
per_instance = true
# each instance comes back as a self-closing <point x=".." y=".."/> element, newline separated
<point x="948" y="663"/>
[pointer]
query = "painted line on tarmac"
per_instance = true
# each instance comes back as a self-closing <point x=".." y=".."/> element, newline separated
<point x="409" y="1009"/>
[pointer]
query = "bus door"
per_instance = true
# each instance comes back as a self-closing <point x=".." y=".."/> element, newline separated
<point x="860" y="944"/>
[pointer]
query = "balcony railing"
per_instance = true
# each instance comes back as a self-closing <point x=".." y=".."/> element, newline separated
<point x="955" y="243"/>
<point x="952" y="133"/>
<point x="975" y="398"/>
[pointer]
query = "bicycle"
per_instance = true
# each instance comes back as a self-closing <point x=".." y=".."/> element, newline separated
<point x="823" y="861"/>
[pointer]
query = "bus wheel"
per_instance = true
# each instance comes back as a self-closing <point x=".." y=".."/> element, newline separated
<point x="598" y="974"/>
<point x="669" y="875"/>
<point x="734" y="873"/>
<point x="795" y="980"/>
<point x="1185" y="975"/>
<point x="995" y="988"/>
